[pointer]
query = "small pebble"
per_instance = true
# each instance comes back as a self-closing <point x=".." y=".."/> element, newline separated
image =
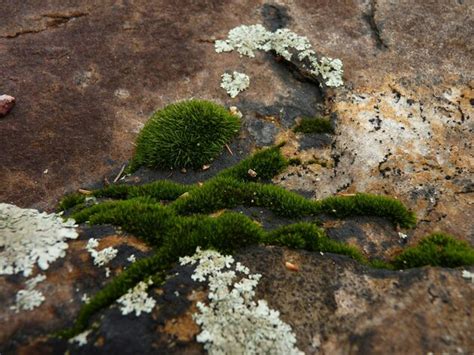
<point x="6" y="104"/>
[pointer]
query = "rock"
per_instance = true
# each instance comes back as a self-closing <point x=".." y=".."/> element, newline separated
<point x="333" y="305"/>
<point x="403" y="127"/>
<point x="6" y="104"/>
<point x="66" y="283"/>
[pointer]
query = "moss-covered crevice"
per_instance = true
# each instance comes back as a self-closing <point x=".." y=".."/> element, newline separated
<point x="177" y="227"/>
<point x="235" y="186"/>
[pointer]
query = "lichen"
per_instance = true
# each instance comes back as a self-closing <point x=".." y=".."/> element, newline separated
<point x="468" y="275"/>
<point x="284" y="42"/>
<point x="29" y="298"/>
<point x="29" y="237"/>
<point x="102" y="257"/>
<point x="81" y="339"/>
<point x="235" y="83"/>
<point x="233" y="322"/>
<point x="137" y="300"/>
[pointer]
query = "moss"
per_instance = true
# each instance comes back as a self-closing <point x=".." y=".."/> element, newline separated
<point x="159" y="190"/>
<point x="310" y="237"/>
<point x="437" y="249"/>
<point x="363" y="204"/>
<point x="70" y="201"/>
<point x="314" y="125"/>
<point x="381" y="264"/>
<point x="179" y="236"/>
<point x="176" y="229"/>
<point x="155" y="265"/>
<point x="186" y="134"/>
<point x="141" y="217"/>
<point x="266" y="163"/>
<point x="220" y="193"/>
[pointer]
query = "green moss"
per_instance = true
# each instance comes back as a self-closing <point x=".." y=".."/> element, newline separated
<point x="176" y="229"/>
<point x="437" y="249"/>
<point x="159" y="190"/>
<point x="155" y="265"/>
<point x="381" y="264"/>
<point x="310" y="237"/>
<point x="186" y="134"/>
<point x="314" y="125"/>
<point x="70" y="201"/>
<point x="368" y="205"/>
<point x="220" y="193"/>
<point x="266" y="163"/>
<point x="179" y="236"/>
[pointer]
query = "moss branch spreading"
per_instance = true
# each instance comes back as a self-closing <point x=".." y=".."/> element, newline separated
<point x="176" y="229"/>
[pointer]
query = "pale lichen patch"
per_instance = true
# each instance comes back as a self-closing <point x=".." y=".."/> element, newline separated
<point x="29" y="237"/>
<point x="235" y="83"/>
<point x="232" y="321"/>
<point x="284" y="42"/>
<point x="81" y="339"/>
<point x="137" y="300"/>
<point x="29" y="298"/>
<point x="102" y="257"/>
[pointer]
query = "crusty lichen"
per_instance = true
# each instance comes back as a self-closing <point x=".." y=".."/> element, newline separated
<point x="284" y="42"/>
<point x="101" y="257"/>
<point x="81" y="339"/>
<point x="137" y="300"/>
<point x="29" y="298"/>
<point x="235" y="83"/>
<point x="29" y="237"/>
<point x="233" y="322"/>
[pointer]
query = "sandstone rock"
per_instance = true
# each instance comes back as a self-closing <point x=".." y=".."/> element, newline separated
<point x="6" y="104"/>
<point x="333" y="304"/>
<point x="403" y="127"/>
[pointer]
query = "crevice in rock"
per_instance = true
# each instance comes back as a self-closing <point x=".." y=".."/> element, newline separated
<point x="370" y="18"/>
<point x="52" y="20"/>
<point x="275" y="16"/>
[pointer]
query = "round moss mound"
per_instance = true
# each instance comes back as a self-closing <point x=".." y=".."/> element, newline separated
<point x="187" y="134"/>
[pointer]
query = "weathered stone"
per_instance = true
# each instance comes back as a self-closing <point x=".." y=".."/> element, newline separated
<point x="403" y="127"/>
<point x="333" y="304"/>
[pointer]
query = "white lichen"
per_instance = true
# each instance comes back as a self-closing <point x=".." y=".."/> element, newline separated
<point x="468" y="275"/>
<point x="29" y="298"/>
<point x="232" y="322"/>
<point x="102" y="257"/>
<point x="403" y="236"/>
<point x="85" y="298"/>
<point x="29" y="237"/>
<point x="137" y="300"/>
<point x="235" y="83"/>
<point x="132" y="258"/>
<point x="80" y="339"/>
<point x="286" y="43"/>
<point x="245" y="40"/>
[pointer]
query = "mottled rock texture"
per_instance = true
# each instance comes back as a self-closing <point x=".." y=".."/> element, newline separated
<point x="87" y="75"/>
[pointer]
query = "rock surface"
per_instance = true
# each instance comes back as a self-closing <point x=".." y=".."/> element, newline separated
<point x="333" y="304"/>
<point x="88" y="76"/>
